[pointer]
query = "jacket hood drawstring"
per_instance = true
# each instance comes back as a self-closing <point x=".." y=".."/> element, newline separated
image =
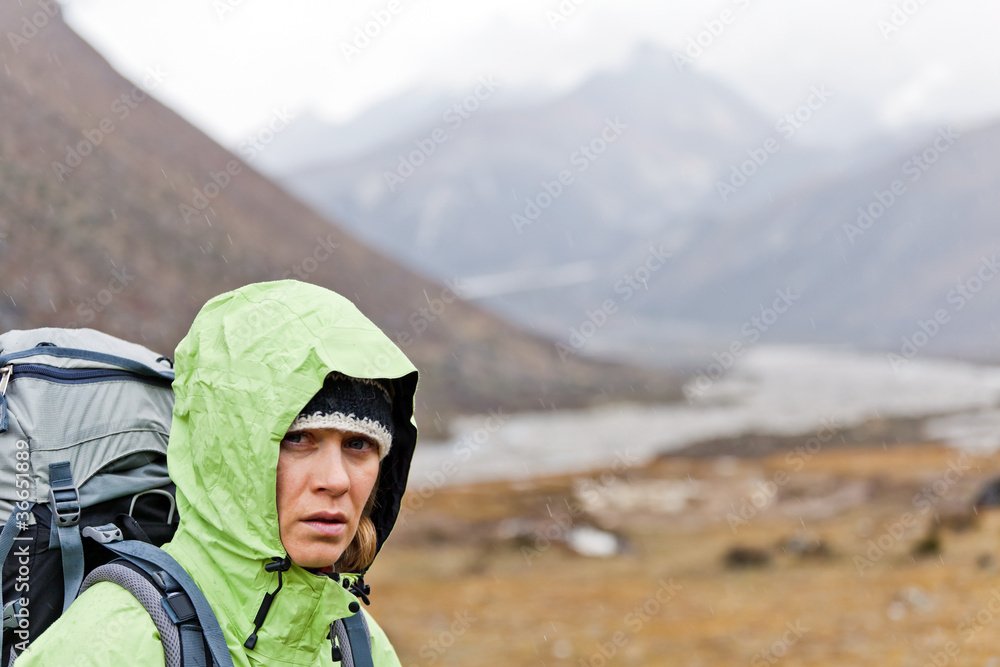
<point x="358" y="589"/>
<point x="279" y="565"/>
<point x="361" y="590"/>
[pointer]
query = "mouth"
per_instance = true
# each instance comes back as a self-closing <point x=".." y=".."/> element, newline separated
<point x="327" y="523"/>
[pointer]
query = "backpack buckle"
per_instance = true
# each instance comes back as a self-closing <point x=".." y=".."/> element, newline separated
<point x="105" y="534"/>
<point x="12" y="613"/>
<point x="179" y="607"/>
<point x="65" y="504"/>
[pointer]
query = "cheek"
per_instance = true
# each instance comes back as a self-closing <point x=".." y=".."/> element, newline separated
<point x="284" y="486"/>
<point x="364" y="482"/>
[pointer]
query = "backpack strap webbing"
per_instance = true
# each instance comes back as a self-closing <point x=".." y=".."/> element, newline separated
<point x="64" y="501"/>
<point x="354" y="641"/>
<point x="186" y="601"/>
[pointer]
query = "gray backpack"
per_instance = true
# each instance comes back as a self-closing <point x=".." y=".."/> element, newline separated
<point x="84" y="424"/>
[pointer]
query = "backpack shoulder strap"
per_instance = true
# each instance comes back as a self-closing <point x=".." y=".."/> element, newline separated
<point x="150" y="598"/>
<point x="354" y="641"/>
<point x="181" y="599"/>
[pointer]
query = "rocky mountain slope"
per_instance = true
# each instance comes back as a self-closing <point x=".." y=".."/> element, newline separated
<point x="117" y="214"/>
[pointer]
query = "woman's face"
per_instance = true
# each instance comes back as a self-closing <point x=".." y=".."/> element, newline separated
<point x="325" y="477"/>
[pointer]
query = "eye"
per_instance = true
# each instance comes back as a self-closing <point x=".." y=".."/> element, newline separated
<point x="294" y="438"/>
<point x="359" y="444"/>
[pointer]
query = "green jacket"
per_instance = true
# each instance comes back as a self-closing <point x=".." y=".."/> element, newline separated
<point x="252" y="359"/>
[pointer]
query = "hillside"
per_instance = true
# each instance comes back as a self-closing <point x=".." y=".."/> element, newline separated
<point x="117" y="214"/>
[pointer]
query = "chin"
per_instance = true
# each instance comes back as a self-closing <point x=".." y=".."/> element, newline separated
<point x="315" y="558"/>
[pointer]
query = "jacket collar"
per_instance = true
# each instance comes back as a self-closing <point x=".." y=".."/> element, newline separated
<point x="299" y="618"/>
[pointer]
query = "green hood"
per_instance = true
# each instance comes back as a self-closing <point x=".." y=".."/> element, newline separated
<point x="252" y="359"/>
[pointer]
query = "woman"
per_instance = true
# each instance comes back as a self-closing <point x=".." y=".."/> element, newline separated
<point x="287" y="447"/>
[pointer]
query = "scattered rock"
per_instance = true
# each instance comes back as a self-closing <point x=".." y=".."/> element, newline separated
<point x="592" y="542"/>
<point x="896" y="611"/>
<point x="957" y="518"/>
<point x="930" y="545"/>
<point x="989" y="494"/>
<point x="581" y="537"/>
<point x="805" y="546"/>
<point x="916" y="598"/>
<point x="739" y="557"/>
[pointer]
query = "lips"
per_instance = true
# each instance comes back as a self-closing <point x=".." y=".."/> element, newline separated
<point x="327" y="523"/>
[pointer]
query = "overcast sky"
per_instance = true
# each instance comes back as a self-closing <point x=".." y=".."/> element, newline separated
<point x="229" y="63"/>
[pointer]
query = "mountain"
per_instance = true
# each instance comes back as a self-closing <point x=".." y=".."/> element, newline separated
<point x="896" y="255"/>
<point x="117" y="214"/>
<point x="638" y="148"/>
<point x="310" y="140"/>
<point x="906" y="249"/>
<point x="745" y="211"/>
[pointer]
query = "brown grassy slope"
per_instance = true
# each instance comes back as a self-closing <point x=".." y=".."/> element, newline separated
<point x="61" y="241"/>
<point x="531" y="601"/>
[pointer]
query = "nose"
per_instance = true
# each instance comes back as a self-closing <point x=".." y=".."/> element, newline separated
<point x="329" y="475"/>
